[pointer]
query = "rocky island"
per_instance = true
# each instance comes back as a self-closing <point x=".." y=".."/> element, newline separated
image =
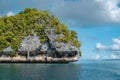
<point x="37" y="36"/>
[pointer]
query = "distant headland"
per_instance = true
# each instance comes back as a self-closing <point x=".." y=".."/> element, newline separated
<point x="37" y="36"/>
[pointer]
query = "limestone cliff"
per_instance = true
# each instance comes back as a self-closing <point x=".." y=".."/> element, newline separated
<point x="37" y="36"/>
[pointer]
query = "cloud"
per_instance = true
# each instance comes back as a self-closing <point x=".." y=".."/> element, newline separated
<point x="90" y="12"/>
<point x="114" y="47"/>
<point x="10" y="13"/>
<point x="116" y="40"/>
<point x="111" y="9"/>
<point x="100" y="46"/>
<point x="83" y="12"/>
<point x="97" y="56"/>
<point x="113" y="56"/>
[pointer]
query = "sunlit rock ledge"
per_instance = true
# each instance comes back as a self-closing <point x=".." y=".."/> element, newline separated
<point x="38" y="59"/>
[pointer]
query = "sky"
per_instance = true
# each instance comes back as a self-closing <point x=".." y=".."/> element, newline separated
<point x="97" y="22"/>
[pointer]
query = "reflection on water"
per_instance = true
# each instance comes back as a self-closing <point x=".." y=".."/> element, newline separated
<point x="39" y="71"/>
<point x="83" y="70"/>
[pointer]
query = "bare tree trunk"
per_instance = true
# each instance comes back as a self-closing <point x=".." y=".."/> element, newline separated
<point x="28" y="54"/>
<point x="16" y="53"/>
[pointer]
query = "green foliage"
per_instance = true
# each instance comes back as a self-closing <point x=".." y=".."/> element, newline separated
<point x="74" y="34"/>
<point x="12" y="54"/>
<point x="14" y="28"/>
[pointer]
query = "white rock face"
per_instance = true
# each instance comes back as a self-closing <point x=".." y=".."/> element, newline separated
<point x="29" y="43"/>
<point x="64" y="47"/>
<point x="44" y="47"/>
<point x="8" y="49"/>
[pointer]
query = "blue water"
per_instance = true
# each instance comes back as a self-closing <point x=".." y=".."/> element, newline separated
<point x="81" y="70"/>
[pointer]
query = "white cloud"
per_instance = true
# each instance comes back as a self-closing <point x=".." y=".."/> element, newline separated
<point x="114" y="47"/>
<point x="116" y="44"/>
<point x="97" y="56"/>
<point x="10" y="13"/>
<point x="116" y="40"/>
<point x="100" y="46"/>
<point x="114" y="56"/>
<point x="113" y="50"/>
<point x="111" y="9"/>
<point x="101" y="56"/>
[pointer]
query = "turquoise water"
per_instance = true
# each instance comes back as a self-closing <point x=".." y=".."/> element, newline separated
<point x="82" y="70"/>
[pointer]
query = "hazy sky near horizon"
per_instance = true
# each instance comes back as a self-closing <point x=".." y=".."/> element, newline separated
<point x="97" y="22"/>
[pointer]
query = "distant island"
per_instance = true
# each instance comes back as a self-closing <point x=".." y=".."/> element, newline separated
<point x="37" y="36"/>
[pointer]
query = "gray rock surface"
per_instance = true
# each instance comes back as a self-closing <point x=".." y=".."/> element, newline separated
<point x="29" y="43"/>
<point x="8" y="49"/>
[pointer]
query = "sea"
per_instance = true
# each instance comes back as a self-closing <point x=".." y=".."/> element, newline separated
<point x="80" y="70"/>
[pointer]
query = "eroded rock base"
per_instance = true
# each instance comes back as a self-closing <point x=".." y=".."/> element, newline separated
<point x="38" y="59"/>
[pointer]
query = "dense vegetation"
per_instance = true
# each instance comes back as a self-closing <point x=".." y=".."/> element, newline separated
<point x="14" y="28"/>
